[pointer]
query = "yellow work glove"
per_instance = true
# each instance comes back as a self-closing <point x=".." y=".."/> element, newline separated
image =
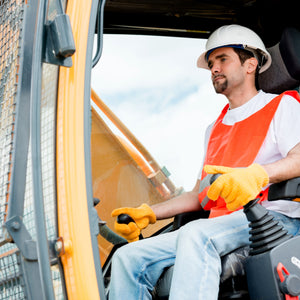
<point x="237" y="186"/>
<point x="142" y="216"/>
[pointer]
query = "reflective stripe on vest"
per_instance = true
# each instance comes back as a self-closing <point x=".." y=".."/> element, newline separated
<point x="237" y="146"/>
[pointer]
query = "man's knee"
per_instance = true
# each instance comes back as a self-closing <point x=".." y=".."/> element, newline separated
<point x="122" y="257"/>
<point x="192" y="232"/>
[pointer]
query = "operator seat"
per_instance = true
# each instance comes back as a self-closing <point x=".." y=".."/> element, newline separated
<point x="283" y="74"/>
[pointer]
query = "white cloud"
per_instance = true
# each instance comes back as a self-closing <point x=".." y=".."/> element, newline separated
<point x="153" y="85"/>
<point x="129" y="62"/>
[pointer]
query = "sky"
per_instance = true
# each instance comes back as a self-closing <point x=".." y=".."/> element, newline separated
<point x="153" y="85"/>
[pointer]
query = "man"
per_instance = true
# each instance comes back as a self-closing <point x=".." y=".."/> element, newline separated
<point x="254" y="142"/>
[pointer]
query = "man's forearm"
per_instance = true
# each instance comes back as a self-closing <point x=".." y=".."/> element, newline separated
<point x="183" y="203"/>
<point x="286" y="168"/>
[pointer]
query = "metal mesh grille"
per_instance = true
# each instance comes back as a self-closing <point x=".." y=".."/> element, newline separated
<point x="48" y="119"/>
<point x="48" y="130"/>
<point x="11" y="22"/>
<point x="28" y="217"/>
<point x="11" y="286"/>
<point x="57" y="283"/>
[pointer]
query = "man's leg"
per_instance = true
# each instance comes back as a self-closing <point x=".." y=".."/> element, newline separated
<point x="136" y="267"/>
<point x="292" y="225"/>
<point x="200" y="244"/>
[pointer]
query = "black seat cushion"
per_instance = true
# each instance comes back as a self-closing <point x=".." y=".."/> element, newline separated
<point x="232" y="266"/>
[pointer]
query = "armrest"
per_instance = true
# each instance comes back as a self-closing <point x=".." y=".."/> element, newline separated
<point x="184" y="218"/>
<point x="287" y="190"/>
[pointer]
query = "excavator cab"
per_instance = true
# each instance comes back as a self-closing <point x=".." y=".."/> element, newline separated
<point x="63" y="168"/>
<point x="269" y="267"/>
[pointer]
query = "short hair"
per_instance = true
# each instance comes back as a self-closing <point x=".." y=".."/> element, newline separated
<point x="243" y="56"/>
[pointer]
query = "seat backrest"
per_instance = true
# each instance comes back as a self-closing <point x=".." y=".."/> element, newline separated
<point x="284" y="72"/>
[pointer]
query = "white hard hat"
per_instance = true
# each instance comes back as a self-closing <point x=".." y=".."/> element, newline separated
<point x="239" y="37"/>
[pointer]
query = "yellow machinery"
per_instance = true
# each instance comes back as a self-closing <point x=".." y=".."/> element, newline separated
<point x="58" y="156"/>
<point x="52" y="163"/>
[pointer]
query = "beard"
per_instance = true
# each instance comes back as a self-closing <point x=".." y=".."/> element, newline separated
<point x="220" y="87"/>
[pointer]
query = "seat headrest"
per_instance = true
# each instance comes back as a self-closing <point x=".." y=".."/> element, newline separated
<point x="284" y="72"/>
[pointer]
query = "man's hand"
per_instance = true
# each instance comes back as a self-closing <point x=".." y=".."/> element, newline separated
<point x="142" y="216"/>
<point x="237" y="186"/>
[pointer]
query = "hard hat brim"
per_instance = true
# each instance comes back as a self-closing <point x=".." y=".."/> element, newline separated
<point x="202" y="60"/>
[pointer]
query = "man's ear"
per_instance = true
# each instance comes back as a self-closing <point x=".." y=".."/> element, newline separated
<point x="251" y="64"/>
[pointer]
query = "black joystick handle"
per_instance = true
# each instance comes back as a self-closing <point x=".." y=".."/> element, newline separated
<point x="126" y="219"/>
<point x="214" y="177"/>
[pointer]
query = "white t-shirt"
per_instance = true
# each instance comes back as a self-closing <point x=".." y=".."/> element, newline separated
<point x="282" y="136"/>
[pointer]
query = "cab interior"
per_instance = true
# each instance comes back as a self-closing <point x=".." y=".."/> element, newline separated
<point x="124" y="173"/>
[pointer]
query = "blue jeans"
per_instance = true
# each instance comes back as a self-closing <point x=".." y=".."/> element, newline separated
<point x="194" y="250"/>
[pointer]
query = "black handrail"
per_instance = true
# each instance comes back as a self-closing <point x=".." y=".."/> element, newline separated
<point x="99" y="33"/>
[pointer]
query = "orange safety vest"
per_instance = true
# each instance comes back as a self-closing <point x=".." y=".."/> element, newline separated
<point x="237" y="146"/>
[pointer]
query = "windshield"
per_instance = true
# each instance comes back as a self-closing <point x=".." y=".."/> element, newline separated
<point x="152" y="86"/>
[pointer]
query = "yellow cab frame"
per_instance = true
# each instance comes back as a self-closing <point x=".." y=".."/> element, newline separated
<point x="58" y="155"/>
